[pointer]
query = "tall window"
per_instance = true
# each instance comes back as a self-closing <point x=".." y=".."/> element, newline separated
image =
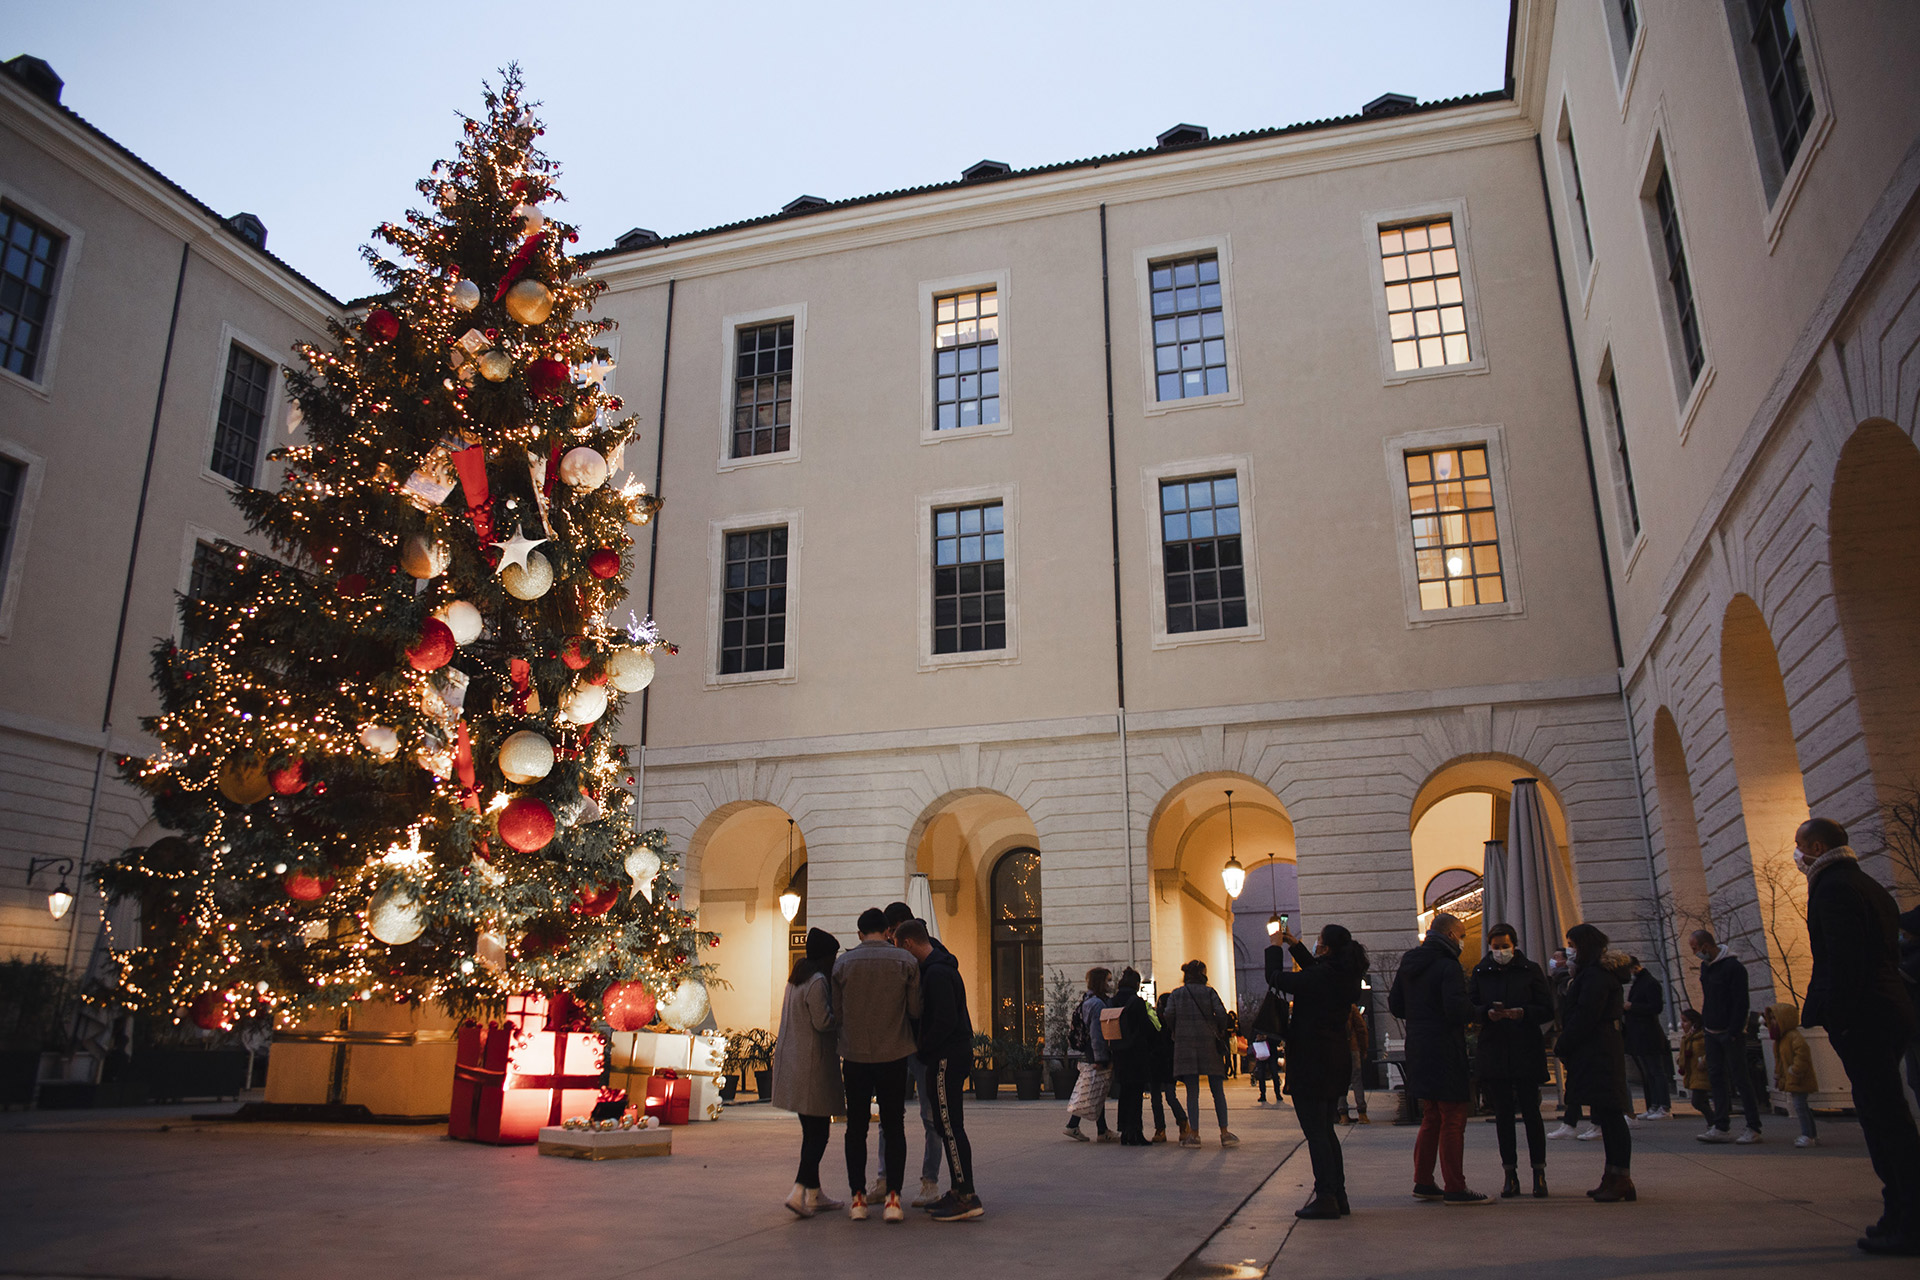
<point x="1579" y="195"/>
<point x="1456" y="540"/>
<point x="1620" y="450"/>
<point x="1783" y="73"/>
<point x="243" y="415"/>
<point x="212" y="573"/>
<point x="966" y="359"/>
<point x="969" y="579"/>
<point x="1019" y="1003"/>
<point x="29" y="255"/>
<point x="753" y="612"/>
<point x="763" y="389"/>
<point x="1629" y="19"/>
<point x="1200" y="532"/>
<point x="1679" y="282"/>
<point x="1426" y="312"/>
<point x="1189" y="328"/>
<point x="13" y="477"/>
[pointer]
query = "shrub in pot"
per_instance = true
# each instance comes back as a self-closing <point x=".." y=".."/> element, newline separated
<point x="1023" y="1060"/>
<point x="986" y="1077"/>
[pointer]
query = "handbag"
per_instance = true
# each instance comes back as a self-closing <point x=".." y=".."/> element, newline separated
<point x="1273" y="1016"/>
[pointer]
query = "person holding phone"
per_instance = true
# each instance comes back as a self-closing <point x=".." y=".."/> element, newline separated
<point x="1512" y="1000"/>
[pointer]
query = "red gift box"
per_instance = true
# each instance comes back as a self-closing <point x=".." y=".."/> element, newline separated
<point x="508" y="1082"/>
<point x="670" y="1097"/>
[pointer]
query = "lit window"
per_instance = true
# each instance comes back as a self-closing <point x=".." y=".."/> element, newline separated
<point x="243" y="416"/>
<point x="753" y="612"/>
<point x="1200" y="532"/>
<point x="763" y="389"/>
<point x="1189" y="329"/>
<point x="966" y="359"/>
<point x="970" y="579"/>
<point x="1456" y="542"/>
<point x="1783" y="74"/>
<point x="1679" y="281"/>
<point x="29" y="255"/>
<point x="1426" y="313"/>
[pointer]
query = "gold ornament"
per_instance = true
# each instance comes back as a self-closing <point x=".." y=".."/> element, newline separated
<point x="525" y="757"/>
<point x="466" y="295"/>
<point x="496" y="366"/>
<point x="529" y="301"/>
<point x="585" y="411"/>
<point x="630" y="670"/>
<point x="423" y="557"/>
<point x="243" y="778"/>
<point x="530" y="582"/>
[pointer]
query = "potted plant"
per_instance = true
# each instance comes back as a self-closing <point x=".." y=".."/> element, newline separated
<point x="1023" y="1060"/>
<point x="1063" y="997"/>
<point x="760" y="1046"/>
<point x="986" y="1078"/>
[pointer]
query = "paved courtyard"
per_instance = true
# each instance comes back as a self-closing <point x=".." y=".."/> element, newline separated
<point x="153" y="1193"/>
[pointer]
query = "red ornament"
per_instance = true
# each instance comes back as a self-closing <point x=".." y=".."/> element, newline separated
<point x="351" y="587"/>
<point x="209" y="1011"/>
<point x="290" y="781"/>
<point x="435" y="647"/>
<point x="526" y="824"/>
<point x="604" y="563"/>
<point x="547" y="377"/>
<point x="303" y="886"/>
<point x="596" y="901"/>
<point x="382" y="325"/>
<point x="595" y="677"/>
<point x="571" y="655"/>
<point x="629" y="1006"/>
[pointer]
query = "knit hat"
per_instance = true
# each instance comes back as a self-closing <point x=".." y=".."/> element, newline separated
<point x="1336" y="936"/>
<point x="822" y="947"/>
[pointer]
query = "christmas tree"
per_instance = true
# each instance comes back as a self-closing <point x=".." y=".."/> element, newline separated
<point x="388" y="747"/>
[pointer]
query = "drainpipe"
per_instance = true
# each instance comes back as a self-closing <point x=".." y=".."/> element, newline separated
<point x="1606" y="571"/>
<point x="126" y="598"/>
<point x="1119" y="634"/>
<point x="653" y="548"/>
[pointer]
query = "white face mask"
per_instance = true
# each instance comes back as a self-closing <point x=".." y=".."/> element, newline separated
<point x="1801" y="860"/>
<point x="1503" y="955"/>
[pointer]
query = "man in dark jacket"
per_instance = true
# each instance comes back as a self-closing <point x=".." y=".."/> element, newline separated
<point x="1647" y="1040"/>
<point x="1430" y="995"/>
<point x="1513" y="1000"/>
<point x="1856" y="993"/>
<point x="945" y="1045"/>
<point x="1724" y="1005"/>
<point x="897" y="914"/>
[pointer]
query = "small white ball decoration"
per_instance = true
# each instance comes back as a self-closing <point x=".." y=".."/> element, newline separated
<point x="687" y="1007"/>
<point x="423" y="557"/>
<point x="466" y="295"/>
<point x="643" y="864"/>
<point x="531" y="582"/>
<point x="380" y="740"/>
<point x="462" y="619"/>
<point x="525" y="757"/>
<point x="394" y="915"/>
<point x="629" y="670"/>
<point x="584" y="703"/>
<point x="535" y="219"/>
<point x="583" y="469"/>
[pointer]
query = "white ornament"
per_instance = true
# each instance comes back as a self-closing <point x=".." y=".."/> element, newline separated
<point x="490" y="949"/>
<point x="596" y="372"/>
<point x="630" y="670"/>
<point x="525" y="757"/>
<point x="529" y="582"/>
<point x="295" y="417"/>
<point x="584" y="703"/>
<point x="423" y="557"/>
<point x="465" y="295"/>
<point x="514" y="550"/>
<point x="435" y="757"/>
<point x="583" y="469"/>
<point x="534" y="218"/>
<point x="394" y="915"/>
<point x="687" y="1007"/>
<point x="462" y="619"/>
<point x="380" y="740"/>
<point x="643" y="864"/>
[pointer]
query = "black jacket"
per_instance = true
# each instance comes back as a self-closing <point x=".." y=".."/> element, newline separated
<point x="1511" y="1048"/>
<point x="1853" y="929"/>
<point x="946" y="1029"/>
<point x="1430" y="995"/>
<point x="1643" y="1033"/>
<point x="1723" y="994"/>
<point x="1319" y="1048"/>
<point x="1139" y="1042"/>
<point x="1590" y="1040"/>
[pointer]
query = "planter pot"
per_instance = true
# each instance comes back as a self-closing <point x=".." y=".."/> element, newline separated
<point x="986" y="1084"/>
<point x="729" y="1085"/>
<point x="1026" y="1085"/>
<point x="763" y="1084"/>
<point x="1064" y="1079"/>
<point x="174" y="1074"/>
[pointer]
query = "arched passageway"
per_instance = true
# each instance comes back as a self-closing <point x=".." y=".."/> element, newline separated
<point x="1688" y="905"/>
<point x="743" y="866"/>
<point x="981" y="858"/>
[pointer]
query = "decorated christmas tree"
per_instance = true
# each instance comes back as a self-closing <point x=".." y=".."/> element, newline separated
<point x="388" y="747"/>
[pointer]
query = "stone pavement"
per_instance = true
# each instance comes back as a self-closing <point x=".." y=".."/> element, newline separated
<point x="140" y="1194"/>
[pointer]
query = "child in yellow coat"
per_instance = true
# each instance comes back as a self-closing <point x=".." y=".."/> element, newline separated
<point x="1793" y="1067"/>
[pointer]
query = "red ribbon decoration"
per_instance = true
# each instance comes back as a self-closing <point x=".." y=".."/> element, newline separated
<point x="471" y="464"/>
<point x="553" y="472"/>
<point x="519" y="264"/>
<point x="522" y="672"/>
<point x="463" y="768"/>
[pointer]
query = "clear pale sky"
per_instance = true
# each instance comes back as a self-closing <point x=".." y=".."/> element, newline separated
<point x="320" y="117"/>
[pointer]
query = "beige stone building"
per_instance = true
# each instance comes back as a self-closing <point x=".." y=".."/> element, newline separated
<point x="1359" y="467"/>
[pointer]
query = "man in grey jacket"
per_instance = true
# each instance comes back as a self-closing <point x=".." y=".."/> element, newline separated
<point x="876" y="993"/>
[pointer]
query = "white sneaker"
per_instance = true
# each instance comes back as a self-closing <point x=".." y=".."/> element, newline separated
<point x="1717" y="1135"/>
<point x="1588" y="1132"/>
<point x="929" y="1192"/>
<point x="1563" y="1131"/>
<point x="798" y="1202"/>
<point x="1806" y="1140"/>
<point x="1749" y="1138"/>
<point x="1658" y="1113"/>
<point x="818" y="1200"/>
<point x="893" y="1212"/>
<point x="858" y="1209"/>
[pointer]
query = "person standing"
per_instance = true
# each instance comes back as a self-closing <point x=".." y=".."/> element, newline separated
<point x="1724" y="1005"/>
<point x="1429" y="994"/>
<point x="1693" y="1063"/>
<point x="1325" y="988"/>
<point x="1096" y="1067"/>
<point x="944" y="1046"/>
<point x="1856" y="993"/>
<point x="1559" y="973"/>
<point x="1164" y="1085"/>
<point x="1513" y="1002"/>
<point x="897" y="914"/>
<point x="1133" y="1056"/>
<point x="1647" y="1041"/>
<point x="806" y="1066"/>
<point x="1199" y="1049"/>
<point x="1595" y="1053"/>
<point x="876" y="994"/>
<point x="1266" y="1066"/>
<point x="1793" y="1072"/>
<point x="1362" y="1047"/>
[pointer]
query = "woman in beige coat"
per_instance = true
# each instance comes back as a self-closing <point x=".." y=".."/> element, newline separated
<point x="806" y="1066"/>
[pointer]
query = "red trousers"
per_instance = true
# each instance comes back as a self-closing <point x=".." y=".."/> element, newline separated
<point x="1443" y="1133"/>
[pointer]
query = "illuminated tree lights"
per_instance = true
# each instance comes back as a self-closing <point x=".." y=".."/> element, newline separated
<point x="375" y="733"/>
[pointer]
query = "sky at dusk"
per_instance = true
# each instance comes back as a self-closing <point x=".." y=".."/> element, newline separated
<point x="679" y="117"/>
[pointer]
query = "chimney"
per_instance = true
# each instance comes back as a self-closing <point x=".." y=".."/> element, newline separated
<point x="1182" y="135"/>
<point x="1389" y="104"/>
<point x="636" y="238"/>
<point x="37" y="76"/>
<point x="249" y="228"/>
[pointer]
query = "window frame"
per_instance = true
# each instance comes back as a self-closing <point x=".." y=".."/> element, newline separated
<point x="1241" y="465"/>
<point x="1376" y="221"/>
<point x="1624" y="48"/>
<point x="1008" y="496"/>
<point x="1221" y="246"/>
<point x="1779" y="184"/>
<point x="717" y="531"/>
<point x="729" y="329"/>
<point x="1491" y="436"/>
<point x="271" y="420"/>
<point x="929" y="290"/>
<point x="1573" y="194"/>
<point x="1630" y="528"/>
<point x="1689" y="388"/>
<point x="13" y="568"/>
<point x="41" y="384"/>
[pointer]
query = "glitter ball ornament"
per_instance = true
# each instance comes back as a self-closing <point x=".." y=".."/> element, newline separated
<point x="604" y="563"/>
<point x="209" y="1011"/>
<point x="465" y="295"/>
<point x="423" y="557"/>
<point x="531" y="582"/>
<point x="304" y="886"/>
<point x="526" y="824"/>
<point x="596" y="901"/>
<point x="630" y="670"/>
<point x="495" y="366"/>
<point x="394" y="915"/>
<point x="434" y="648"/>
<point x="243" y="778"/>
<point x="584" y="703"/>
<point x="629" y="1006"/>
<point x="462" y="619"/>
<point x="525" y="757"/>
<point x="529" y="301"/>
<point x="583" y="469"/>
<point x="289" y="780"/>
<point x="546" y="377"/>
<point x="351" y="586"/>
<point x="382" y="325"/>
<point x="380" y="740"/>
<point x="687" y="1007"/>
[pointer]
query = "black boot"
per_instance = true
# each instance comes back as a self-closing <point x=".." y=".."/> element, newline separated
<point x="1321" y="1206"/>
<point x="1539" y="1182"/>
<point x="1511" y="1187"/>
<point x="1341" y="1198"/>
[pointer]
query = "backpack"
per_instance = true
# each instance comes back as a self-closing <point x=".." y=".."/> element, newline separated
<point x="1077" y="1035"/>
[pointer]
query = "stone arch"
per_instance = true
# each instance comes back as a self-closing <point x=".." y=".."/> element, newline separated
<point x="1680" y="835"/>
<point x="956" y="842"/>
<point x="737" y="866"/>
<point x="1773" y="796"/>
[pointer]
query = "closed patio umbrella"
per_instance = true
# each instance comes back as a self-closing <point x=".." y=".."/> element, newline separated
<point x="1493" y="887"/>
<point x="920" y="898"/>
<point x="1535" y="888"/>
